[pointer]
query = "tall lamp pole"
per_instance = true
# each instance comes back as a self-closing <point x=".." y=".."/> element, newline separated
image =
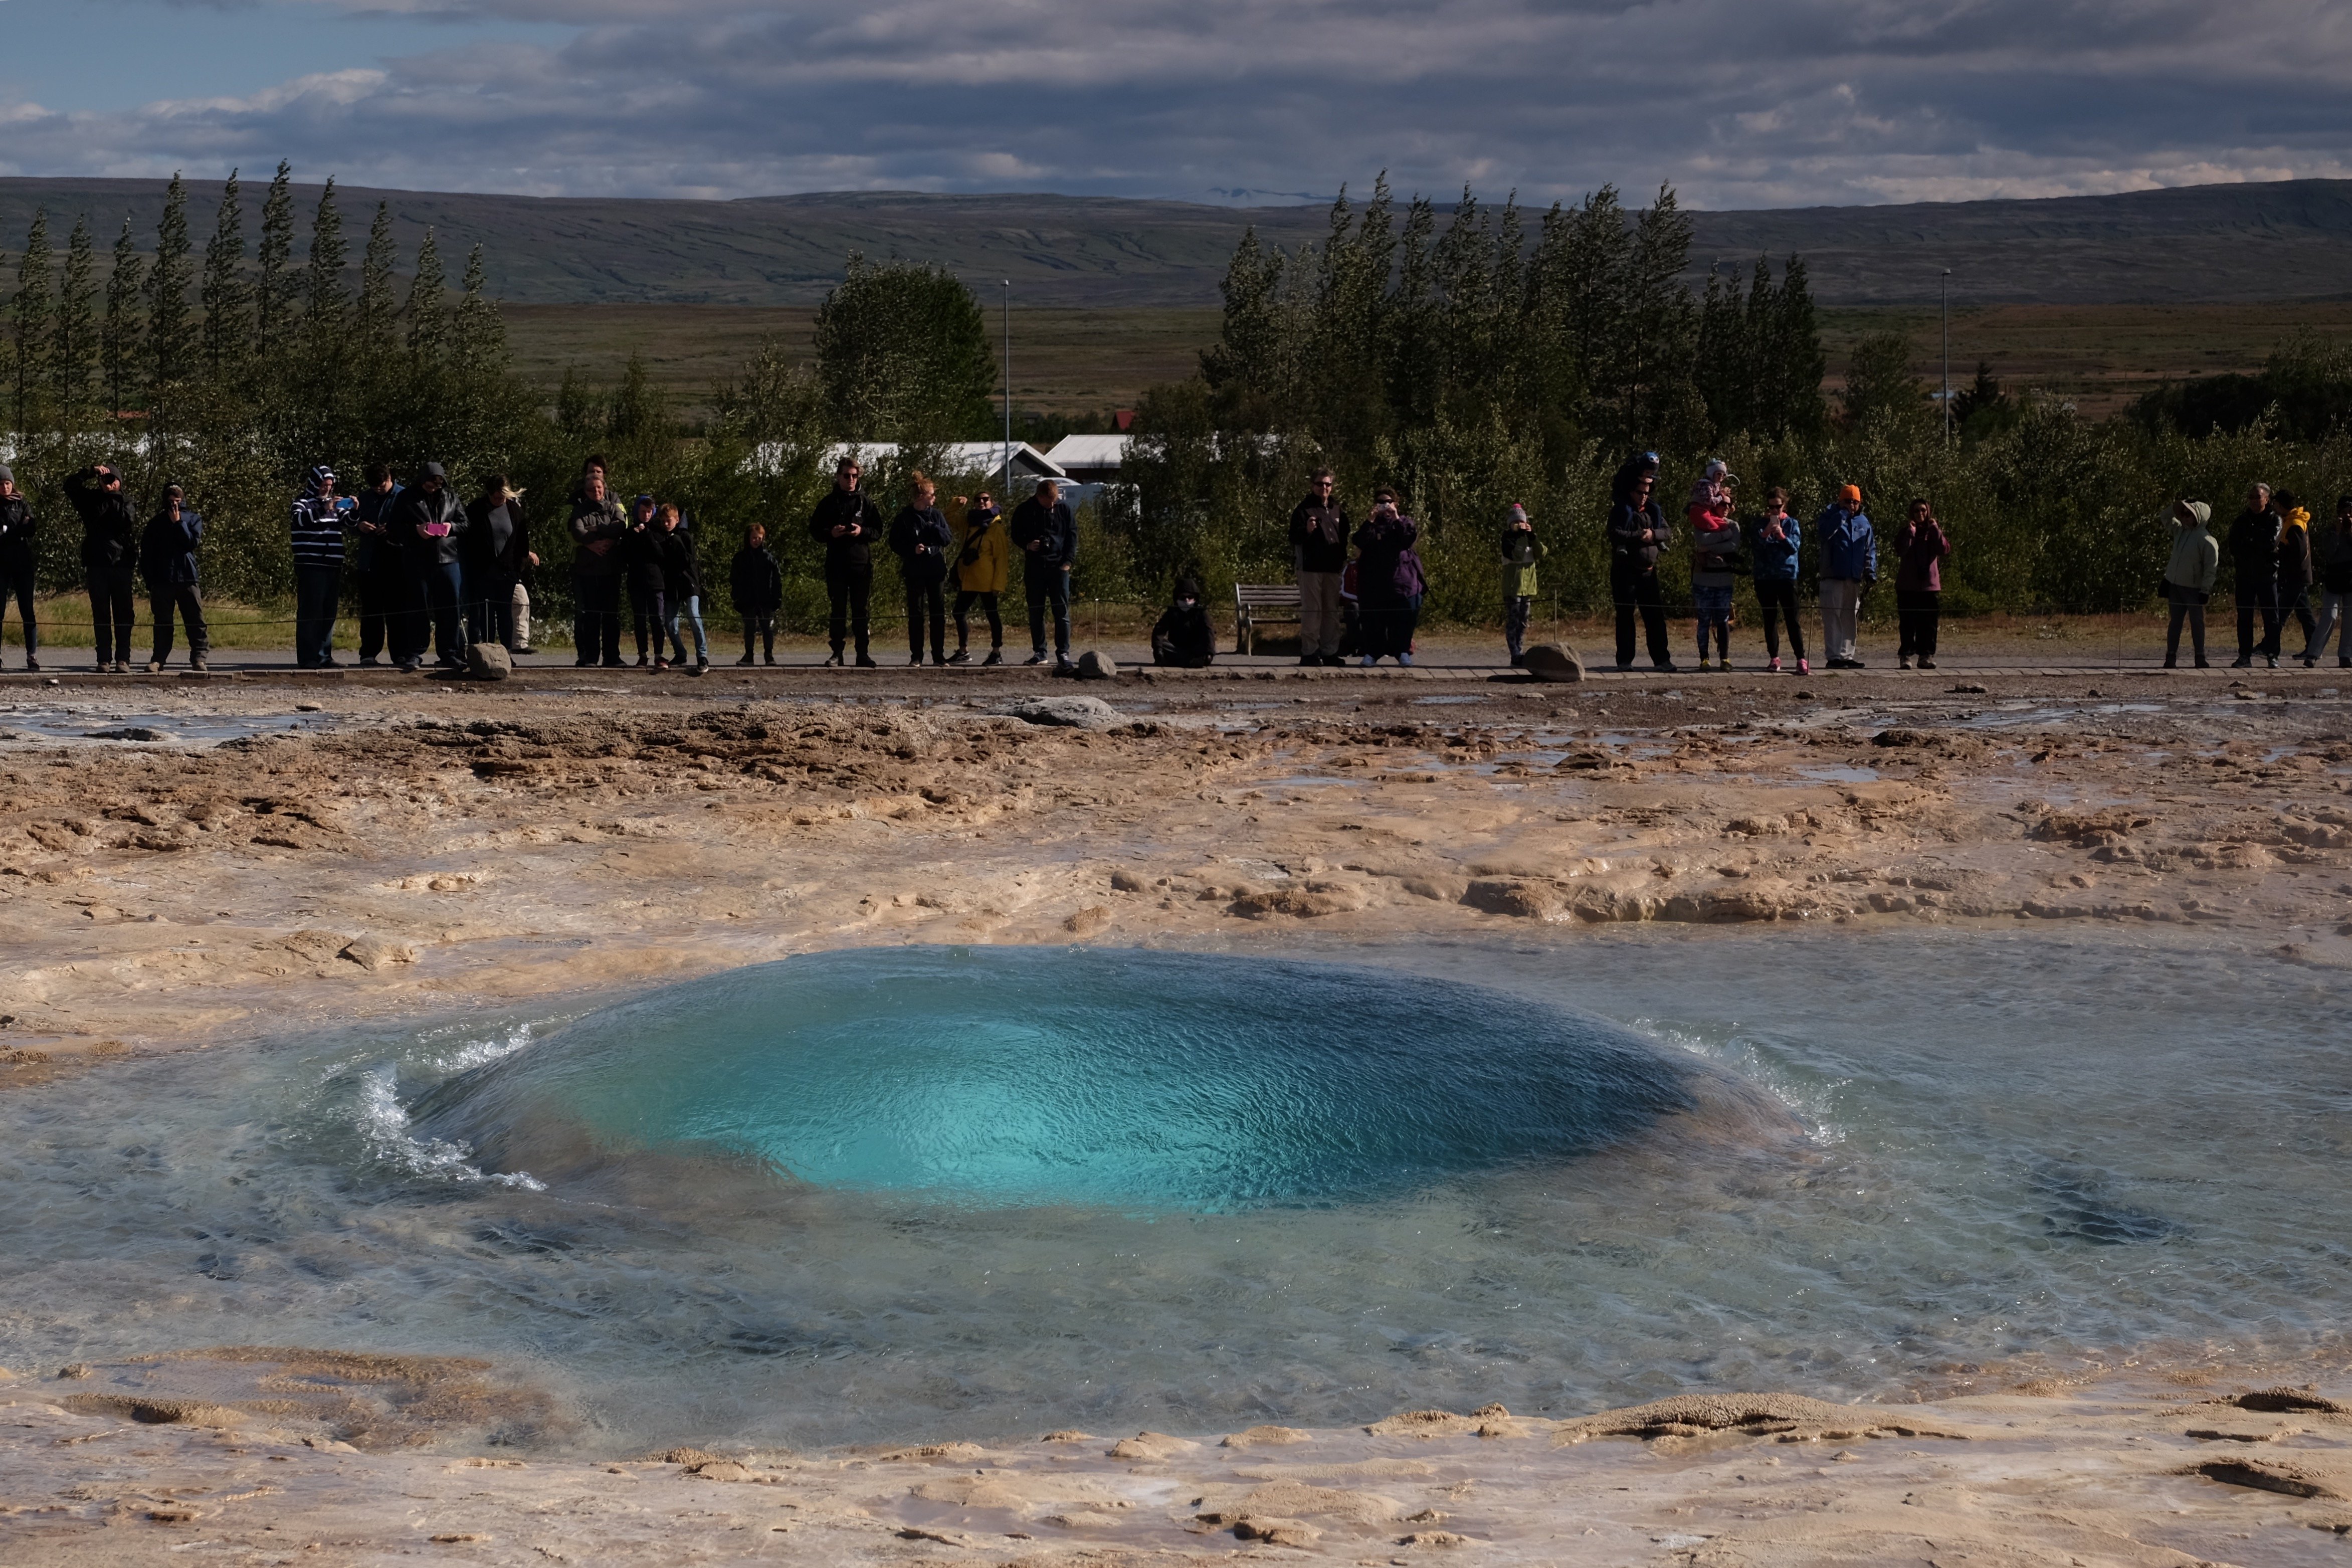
<point x="1008" y="391"/>
<point x="1944" y="308"/>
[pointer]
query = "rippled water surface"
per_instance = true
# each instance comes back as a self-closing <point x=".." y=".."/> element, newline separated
<point x="929" y="1193"/>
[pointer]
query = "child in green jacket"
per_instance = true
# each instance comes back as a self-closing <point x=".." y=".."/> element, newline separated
<point x="1521" y="551"/>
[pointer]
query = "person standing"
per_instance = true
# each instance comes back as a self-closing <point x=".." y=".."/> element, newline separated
<point x="1388" y="581"/>
<point x="1638" y="536"/>
<point x="846" y="522"/>
<point x="2331" y="551"/>
<point x="378" y="572"/>
<point x="1319" y="530"/>
<point x="1775" y="543"/>
<point x="756" y="583"/>
<point x="494" y="557"/>
<point x="2253" y="549"/>
<point x="640" y="563"/>
<point x="1521" y="551"/>
<point x="1920" y="549"/>
<point x="1849" y="553"/>
<point x="596" y="525"/>
<point x="1047" y="537"/>
<point x="167" y="559"/>
<point x="983" y="571"/>
<point x="318" y="521"/>
<point x="920" y="539"/>
<point x="2294" y="571"/>
<point x="430" y="524"/>
<point x="17" y="528"/>
<point x="2188" y="578"/>
<point x="1715" y="542"/>
<point x="682" y="588"/>
<point x="110" y="556"/>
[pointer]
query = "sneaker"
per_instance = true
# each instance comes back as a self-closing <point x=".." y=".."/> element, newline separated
<point x="996" y="656"/>
<point x="1775" y="666"/>
<point x="122" y="666"/>
<point x="1903" y="663"/>
<point x="1854" y="664"/>
<point x="2310" y="661"/>
<point x="2271" y="661"/>
<point x="154" y="667"/>
<point x="523" y="652"/>
<point x="1404" y="658"/>
<point x="1927" y="663"/>
<point x="769" y="660"/>
<point x="866" y="661"/>
<point x="199" y="663"/>
<point x="2244" y="661"/>
<point x="2172" y="664"/>
<point x="31" y="663"/>
<point x="582" y="664"/>
<point x="1370" y="659"/>
<point x="641" y="662"/>
<point x="1518" y="661"/>
<point x="1307" y="659"/>
<point x="1037" y="657"/>
<point x="961" y="656"/>
<point x="1703" y="665"/>
<point x="1803" y="669"/>
<point x="406" y="667"/>
<point x="1621" y="664"/>
<point x="369" y="662"/>
<point x="835" y="662"/>
<point x="916" y="660"/>
<point x="1334" y="661"/>
<point x="2201" y="663"/>
<point x="1065" y="665"/>
<point x="939" y="661"/>
<point x="1668" y="668"/>
<point x="611" y="664"/>
<point x="744" y="661"/>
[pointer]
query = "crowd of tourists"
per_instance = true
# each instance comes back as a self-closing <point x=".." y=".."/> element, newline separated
<point x="435" y="575"/>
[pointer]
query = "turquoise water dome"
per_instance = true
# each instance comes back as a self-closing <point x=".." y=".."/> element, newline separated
<point x="1015" y="1076"/>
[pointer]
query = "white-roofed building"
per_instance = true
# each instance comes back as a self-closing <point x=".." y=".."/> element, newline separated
<point x="984" y="457"/>
<point x="1091" y="459"/>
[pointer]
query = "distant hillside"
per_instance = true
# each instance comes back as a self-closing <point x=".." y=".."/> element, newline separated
<point x="2213" y="244"/>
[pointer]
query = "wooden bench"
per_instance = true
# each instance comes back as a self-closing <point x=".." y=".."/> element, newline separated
<point x="1255" y="603"/>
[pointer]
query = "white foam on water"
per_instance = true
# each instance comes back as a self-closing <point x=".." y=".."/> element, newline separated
<point x="385" y="1131"/>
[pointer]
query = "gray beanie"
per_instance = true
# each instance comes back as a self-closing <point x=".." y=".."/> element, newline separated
<point x="7" y="475"/>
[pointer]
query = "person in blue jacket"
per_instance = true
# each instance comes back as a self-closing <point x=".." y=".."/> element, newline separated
<point x="1849" y="566"/>
<point x="167" y="559"/>
<point x="1774" y="543"/>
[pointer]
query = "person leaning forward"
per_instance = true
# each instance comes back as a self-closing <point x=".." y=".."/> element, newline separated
<point x="1047" y="537"/>
<point x="847" y="523"/>
<point x="1319" y="531"/>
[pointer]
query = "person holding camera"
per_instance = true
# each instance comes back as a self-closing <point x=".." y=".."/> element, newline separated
<point x="110" y="559"/>
<point x="920" y="539"/>
<point x="983" y="571"/>
<point x="1047" y="535"/>
<point x="1849" y="551"/>
<point x="846" y="522"/>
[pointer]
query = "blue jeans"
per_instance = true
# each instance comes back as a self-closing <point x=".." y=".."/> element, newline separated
<point x="1713" y="610"/>
<point x="690" y="606"/>
<point x="318" y="593"/>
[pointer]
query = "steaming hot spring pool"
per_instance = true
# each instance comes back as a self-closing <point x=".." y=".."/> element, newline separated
<point x="944" y="1192"/>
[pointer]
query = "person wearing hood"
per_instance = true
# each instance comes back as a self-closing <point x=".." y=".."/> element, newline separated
<point x="1638" y="536"/>
<point x="1920" y="549"/>
<point x="2188" y="578"/>
<point x="983" y="571"/>
<point x="497" y="559"/>
<point x="920" y="539"/>
<point x="2294" y="571"/>
<point x="167" y="559"/>
<point x="596" y="525"/>
<point x="17" y="528"/>
<point x="1715" y="545"/>
<point x="1775" y="545"/>
<point x="377" y="569"/>
<point x="1183" y="639"/>
<point x="2331" y="558"/>
<point x="756" y="583"/>
<point x="1521" y="551"/>
<point x="1388" y="580"/>
<point x="1849" y="566"/>
<point x="320" y="517"/>
<point x="430" y="523"/>
<point x="2253" y="551"/>
<point x="110" y="559"/>
<point x="1046" y="534"/>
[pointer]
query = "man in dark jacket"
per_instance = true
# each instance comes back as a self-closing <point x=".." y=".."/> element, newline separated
<point x="377" y="569"/>
<point x="1047" y="535"/>
<point x="320" y="517"/>
<point x="1183" y="638"/>
<point x="17" y="526"/>
<point x="847" y="523"/>
<point x="2252" y="548"/>
<point x="920" y="539"/>
<point x="1637" y="537"/>
<point x="430" y="523"/>
<point x="495" y="554"/>
<point x="1319" y="531"/>
<point x="167" y="559"/>
<point x="596" y="526"/>
<point x="757" y="587"/>
<point x="682" y="587"/>
<point x="110" y="559"/>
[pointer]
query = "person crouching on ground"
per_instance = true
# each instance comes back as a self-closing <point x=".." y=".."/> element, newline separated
<point x="983" y="571"/>
<point x="167" y="559"/>
<point x="1183" y="639"/>
<point x="2188" y="578"/>
<point x="1920" y="548"/>
<point x="1521" y="551"/>
<point x="2331" y="560"/>
<point x="18" y="529"/>
<point x="1387" y="580"/>
<point x="1047" y="537"/>
<point x="921" y="540"/>
<point x="756" y="583"/>
<point x="1715" y="542"/>
<point x="1849" y="566"/>
<point x="1775" y="543"/>
<point x="1319" y="550"/>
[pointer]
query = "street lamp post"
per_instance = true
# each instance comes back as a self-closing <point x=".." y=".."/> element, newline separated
<point x="1944" y="308"/>
<point x="1008" y="391"/>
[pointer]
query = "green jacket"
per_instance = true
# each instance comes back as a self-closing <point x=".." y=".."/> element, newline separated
<point x="1520" y="553"/>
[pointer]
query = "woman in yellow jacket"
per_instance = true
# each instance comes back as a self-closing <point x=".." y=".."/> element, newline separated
<point x="983" y="566"/>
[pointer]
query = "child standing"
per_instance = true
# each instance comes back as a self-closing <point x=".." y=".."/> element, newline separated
<point x="758" y="586"/>
<point x="1714" y="539"/>
<point x="1521" y="551"/>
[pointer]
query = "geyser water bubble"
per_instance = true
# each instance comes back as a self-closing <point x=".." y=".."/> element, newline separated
<point x="1021" y="1076"/>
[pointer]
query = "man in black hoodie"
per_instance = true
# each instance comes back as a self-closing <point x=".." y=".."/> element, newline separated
<point x="847" y="523"/>
<point x="110" y="559"/>
<point x="1319" y="532"/>
<point x="1047" y="535"/>
<point x="2252" y="548"/>
<point x="16" y="527"/>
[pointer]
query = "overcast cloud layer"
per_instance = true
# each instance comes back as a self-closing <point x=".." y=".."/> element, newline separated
<point x="1739" y="104"/>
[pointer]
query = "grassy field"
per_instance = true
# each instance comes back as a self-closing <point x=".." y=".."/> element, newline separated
<point x="1082" y="360"/>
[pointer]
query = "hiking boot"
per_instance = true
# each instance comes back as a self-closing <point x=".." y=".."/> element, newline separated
<point x="199" y="663"/>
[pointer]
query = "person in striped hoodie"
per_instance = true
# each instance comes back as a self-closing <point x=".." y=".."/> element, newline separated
<point x="321" y="518"/>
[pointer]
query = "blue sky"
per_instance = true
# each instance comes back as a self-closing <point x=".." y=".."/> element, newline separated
<point x="1737" y="102"/>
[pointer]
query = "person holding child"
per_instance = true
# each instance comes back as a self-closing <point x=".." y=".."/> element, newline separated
<point x="1715" y="545"/>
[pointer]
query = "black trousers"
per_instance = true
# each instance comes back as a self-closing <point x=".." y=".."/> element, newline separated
<point x="1780" y="598"/>
<point x="1048" y="588"/>
<point x="650" y="607"/>
<point x="16" y="583"/>
<point x="111" y="598"/>
<point x="927" y="602"/>
<point x="1916" y="614"/>
<point x="964" y="597"/>
<point x="595" y="619"/>
<point x="163" y="600"/>
<point x="761" y="623"/>
<point x="2295" y="605"/>
<point x="2188" y="605"/>
<point x="489" y="608"/>
<point x="2260" y="597"/>
<point x="1635" y="586"/>
<point x="850" y="591"/>
<point x="381" y="599"/>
